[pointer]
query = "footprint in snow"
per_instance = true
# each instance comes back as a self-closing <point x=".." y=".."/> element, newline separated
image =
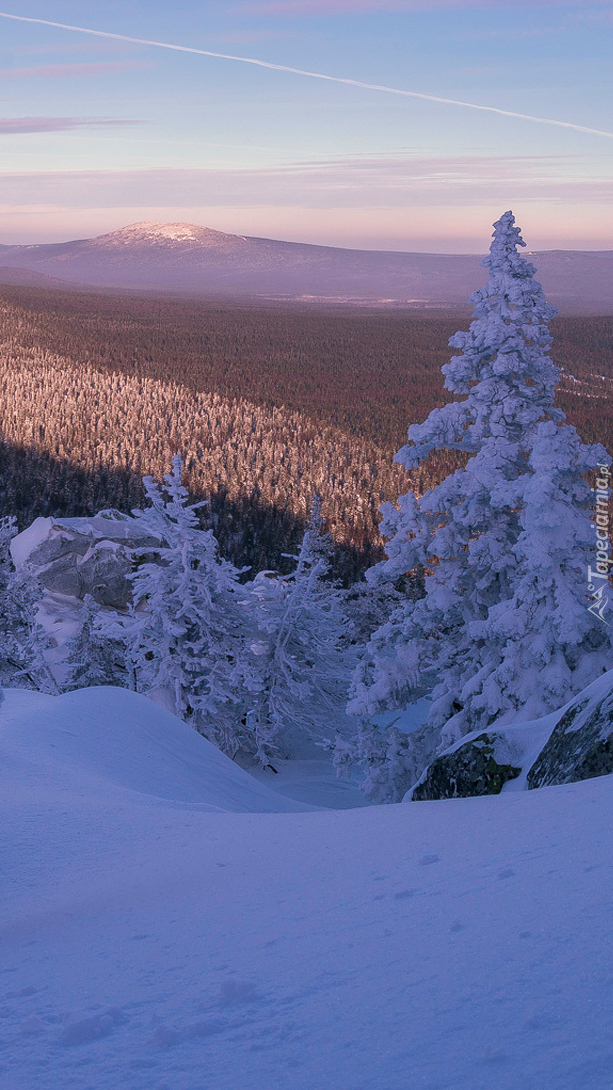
<point x="92" y="1029"/>
<point x="162" y="1037"/>
<point x="236" y="991"/>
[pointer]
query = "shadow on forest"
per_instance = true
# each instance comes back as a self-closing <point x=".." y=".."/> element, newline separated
<point x="250" y="531"/>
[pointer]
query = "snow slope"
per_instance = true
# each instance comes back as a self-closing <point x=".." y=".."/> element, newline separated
<point x="160" y="945"/>
<point x="106" y="739"/>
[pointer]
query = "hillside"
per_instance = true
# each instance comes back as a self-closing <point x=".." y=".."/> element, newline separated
<point x="268" y="405"/>
<point x="184" y="257"/>
<point x="435" y="944"/>
<point x="10" y="274"/>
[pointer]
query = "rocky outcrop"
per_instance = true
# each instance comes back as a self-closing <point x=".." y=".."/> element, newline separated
<point x="79" y="556"/>
<point x="476" y="767"/>
<point x="575" y="743"/>
<point x="581" y="743"/>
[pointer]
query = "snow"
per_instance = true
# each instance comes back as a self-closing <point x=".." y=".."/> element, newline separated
<point x="521" y="743"/>
<point x="25" y="543"/>
<point x="504" y="627"/>
<point x="150" y="232"/>
<point x="313" y="781"/>
<point x="154" y="942"/>
<point x="111" y="526"/>
<point x="407" y="719"/>
<point x="116" y="743"/>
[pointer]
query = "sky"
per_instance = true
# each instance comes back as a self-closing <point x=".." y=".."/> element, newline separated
<point x="97" y="133"/>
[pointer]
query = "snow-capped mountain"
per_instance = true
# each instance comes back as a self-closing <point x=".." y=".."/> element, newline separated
<point x="172" y="239"/>
<point x="188" y="258"/>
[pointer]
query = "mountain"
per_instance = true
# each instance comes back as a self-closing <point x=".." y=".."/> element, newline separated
<point x="184" y="257"/>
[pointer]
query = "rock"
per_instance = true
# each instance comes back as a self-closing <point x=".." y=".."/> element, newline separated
<point x="61" y="575"/>
<point x="475" y="767"/>
<point x="581" y="743"/>
<point x="574" y="743"/>
<point x="79" y="556"/>
<point x="103" y="572"/>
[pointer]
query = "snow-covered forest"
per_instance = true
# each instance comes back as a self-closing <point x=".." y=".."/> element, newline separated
<point x="172" y="725"/>
<point x="266" y="406"/>
<point x="480" y="609"/>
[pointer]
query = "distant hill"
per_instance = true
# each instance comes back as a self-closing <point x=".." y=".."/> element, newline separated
<point x="30" y="279"/>
<point x="187" y="258"/>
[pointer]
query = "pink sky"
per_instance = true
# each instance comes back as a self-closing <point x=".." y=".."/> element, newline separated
<point x="108" y="132"/>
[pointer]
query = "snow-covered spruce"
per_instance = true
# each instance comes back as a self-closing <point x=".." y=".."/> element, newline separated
<point x="96" y="652"/>
<point x="186" y="637"/>
<point x="22" y="639"/>
<point x="503" y="629"/>
<point x="300" y="669"/>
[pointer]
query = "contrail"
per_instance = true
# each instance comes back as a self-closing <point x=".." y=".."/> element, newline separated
<point x="310" y="75"/>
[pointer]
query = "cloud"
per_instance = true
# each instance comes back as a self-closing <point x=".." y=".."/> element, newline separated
<point x="289" y="69"/>
<point x="63" y="71"/>
<point x="12" y="125"/>
<point x="393" y="183"/>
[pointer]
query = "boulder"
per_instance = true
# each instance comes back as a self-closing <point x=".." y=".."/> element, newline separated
<point x="574" y="743"/>
<point x="581" y="743"/>
<point x="79" y="556"/>
<point x="478" y="766"/>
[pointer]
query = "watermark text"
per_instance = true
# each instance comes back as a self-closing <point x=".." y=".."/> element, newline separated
<point x="598" y="577"/>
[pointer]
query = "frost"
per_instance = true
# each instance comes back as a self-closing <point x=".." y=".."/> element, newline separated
<point x="503" y="629"/>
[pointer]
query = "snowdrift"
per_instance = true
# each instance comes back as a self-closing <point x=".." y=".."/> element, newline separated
<point x="151" y="945"/>
<point x="105" y="739"/>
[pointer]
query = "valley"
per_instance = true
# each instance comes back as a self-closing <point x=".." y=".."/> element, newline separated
<point x="269" y="404"/>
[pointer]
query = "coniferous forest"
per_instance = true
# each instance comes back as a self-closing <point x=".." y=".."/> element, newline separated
<point x="267" y="404"/>
<point x="486" y="599"/>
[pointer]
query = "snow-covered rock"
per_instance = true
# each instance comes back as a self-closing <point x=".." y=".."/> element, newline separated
<point x="573" y="743"/>
<point x="475" y="767"/>
<point x="581" y="743"/>
<point x="79" y="556"/>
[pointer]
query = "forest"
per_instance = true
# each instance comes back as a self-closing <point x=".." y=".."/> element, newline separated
<point x="491" y="599"/>
<point x="267" y="404"/>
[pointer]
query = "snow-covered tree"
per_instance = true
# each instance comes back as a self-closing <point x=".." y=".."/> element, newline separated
<point x="503" y="629"/>
<point x="187" y="631"/>
<point x="300" y="673"/>
<point x="23" y="640"/>
<point x="95" y="655"/>
<point x="8" y="666"/>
